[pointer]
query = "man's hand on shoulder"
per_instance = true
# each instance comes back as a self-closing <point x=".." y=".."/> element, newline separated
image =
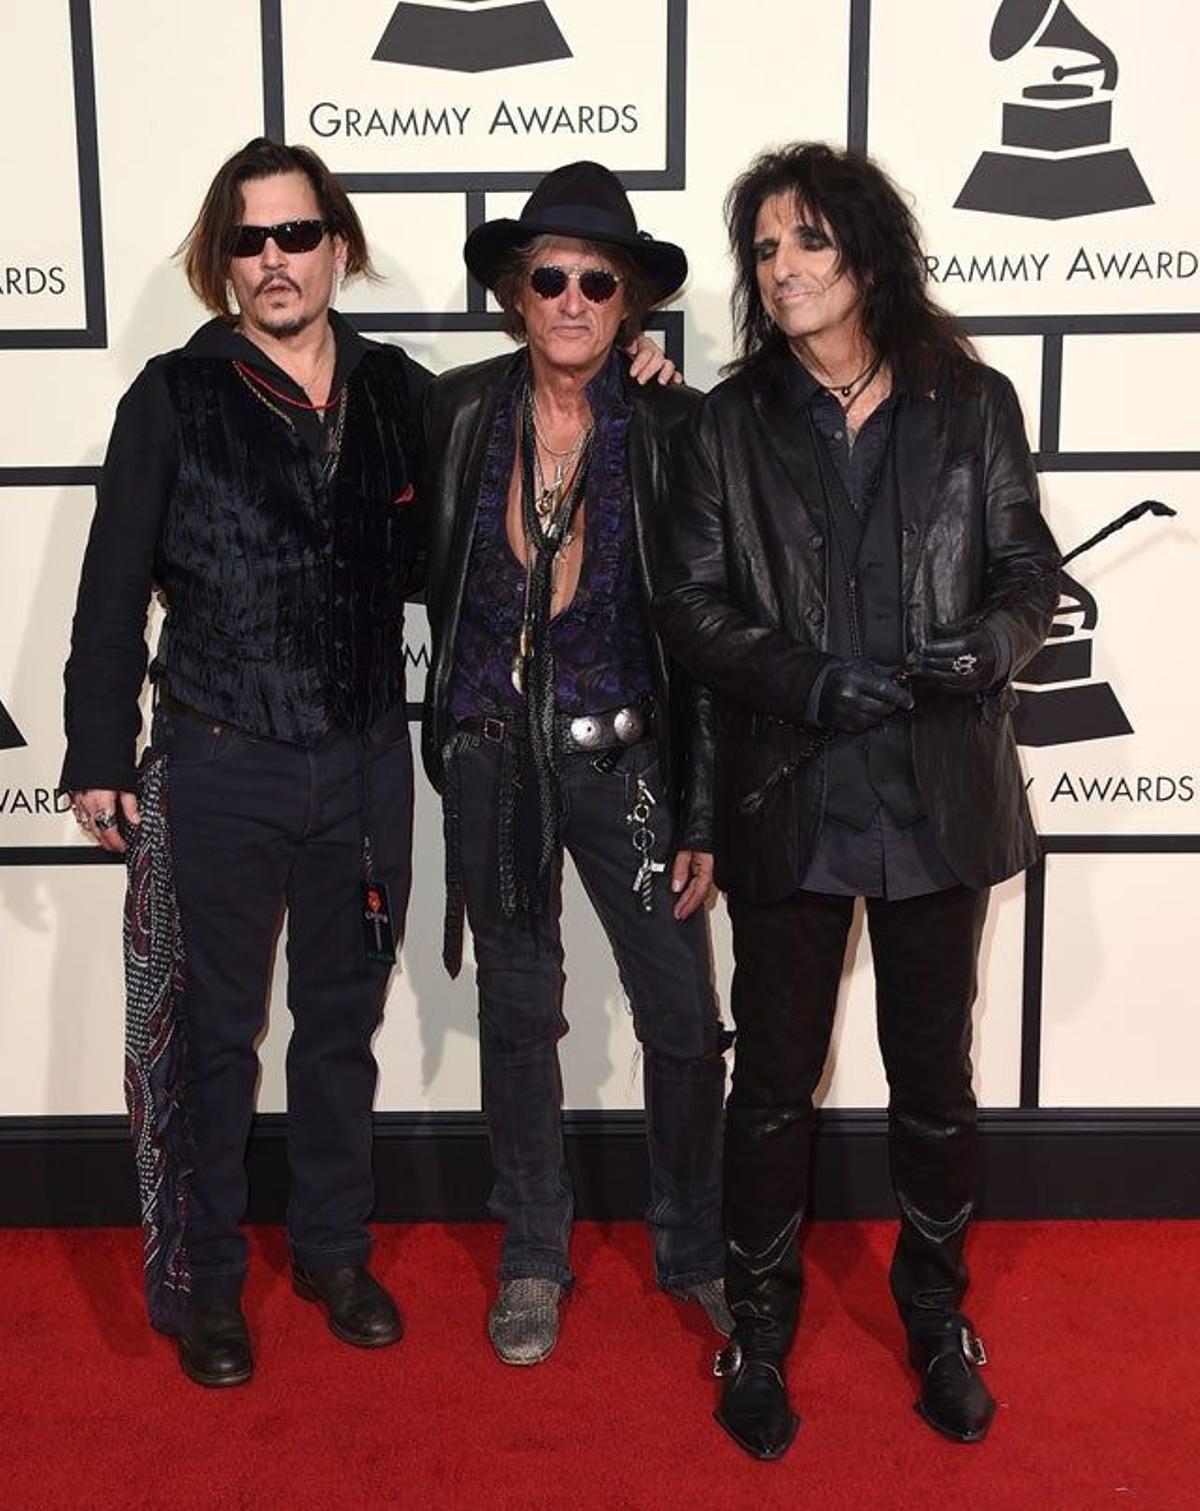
<point x="649" y="363"/>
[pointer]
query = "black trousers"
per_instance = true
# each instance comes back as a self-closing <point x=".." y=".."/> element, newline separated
<point x="258" y="829"/>
<point x="666" y="970"/>
<point x="788" y="962"/>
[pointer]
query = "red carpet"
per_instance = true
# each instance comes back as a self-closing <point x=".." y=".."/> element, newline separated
<point x="1094" y="1330"/>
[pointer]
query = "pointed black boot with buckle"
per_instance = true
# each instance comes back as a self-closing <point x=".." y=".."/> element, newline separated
<point x="766" y="1162"/>
<point x="954" y="1400"/>
<point x="754" y="1408"/>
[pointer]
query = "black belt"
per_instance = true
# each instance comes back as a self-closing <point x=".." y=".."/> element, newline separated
<point x="611" y="729"/>
<point x="186" y="711"/>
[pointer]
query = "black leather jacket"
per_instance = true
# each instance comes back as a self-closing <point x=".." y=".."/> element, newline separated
<point x="743" y="584"/>
<point x="460" y="410"/>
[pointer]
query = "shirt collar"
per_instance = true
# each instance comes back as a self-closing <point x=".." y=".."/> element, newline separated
<point x="804" y="388"/>
<point x="219" y="338"/>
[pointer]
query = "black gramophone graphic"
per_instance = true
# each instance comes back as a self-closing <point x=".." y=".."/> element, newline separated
<point x="11" y="737"/>
<point x="1061" y="163"/>
<point x="471" y="36"/>
<point x="1060" y="704"/>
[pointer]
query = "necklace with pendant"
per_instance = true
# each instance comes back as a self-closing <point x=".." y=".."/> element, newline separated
<point x="549" y="497"/>
<point x="547" y="527"/>
<point x="847" y="393"/>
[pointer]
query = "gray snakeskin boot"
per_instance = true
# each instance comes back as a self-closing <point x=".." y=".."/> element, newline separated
<point x="523" y="1321"/>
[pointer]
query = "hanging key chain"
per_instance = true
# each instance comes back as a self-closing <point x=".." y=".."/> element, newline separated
<point x="643" y="842"/>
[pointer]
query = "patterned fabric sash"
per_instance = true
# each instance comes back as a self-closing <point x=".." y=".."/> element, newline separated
<point x="154" y="1050"/>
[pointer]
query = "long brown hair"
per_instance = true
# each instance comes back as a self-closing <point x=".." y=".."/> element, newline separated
<point x="878" y="243"/>
<point x="206" y="248"/>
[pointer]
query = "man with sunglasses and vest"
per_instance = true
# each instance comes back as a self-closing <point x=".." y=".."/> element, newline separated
<point x="856" y="564"/>
<point x="555" y="722"/>
<point x="261" y="480"/>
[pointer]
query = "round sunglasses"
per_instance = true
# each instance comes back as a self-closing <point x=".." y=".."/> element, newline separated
<point x="288" y="236"/>
<point x="597" y="285"/>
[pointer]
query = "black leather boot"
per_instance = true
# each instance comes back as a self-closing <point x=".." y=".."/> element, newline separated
<point x="357" y="1307"/>
<point x="214" y="1346"/>
<point x="954" y="1400"/>
<point x="766" y="1164"/>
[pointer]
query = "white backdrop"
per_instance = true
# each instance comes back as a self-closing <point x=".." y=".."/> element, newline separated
<point x="119" y="112"/>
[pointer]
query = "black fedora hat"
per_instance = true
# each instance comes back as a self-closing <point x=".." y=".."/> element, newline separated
<point x="584" y="202"/>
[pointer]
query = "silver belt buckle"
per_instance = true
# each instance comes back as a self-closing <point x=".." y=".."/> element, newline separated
<point x="586" y="731"/>
<point x="628" y="725"/>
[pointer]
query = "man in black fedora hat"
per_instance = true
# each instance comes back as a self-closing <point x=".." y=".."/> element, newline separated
<point x="555" y="721"/>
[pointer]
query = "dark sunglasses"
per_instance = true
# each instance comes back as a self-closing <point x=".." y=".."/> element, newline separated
<point x="288" y="236"/>
<point x="597" y="285"/>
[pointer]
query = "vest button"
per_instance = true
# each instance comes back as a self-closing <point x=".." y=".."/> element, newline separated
<point x="814" y="616"/>
<point x="816" y="541"/>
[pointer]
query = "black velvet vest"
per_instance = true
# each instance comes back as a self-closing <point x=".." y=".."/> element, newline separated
<point x="285" y="594"/>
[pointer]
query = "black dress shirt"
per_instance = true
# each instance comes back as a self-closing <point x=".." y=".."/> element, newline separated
<point x="882" y="860"/>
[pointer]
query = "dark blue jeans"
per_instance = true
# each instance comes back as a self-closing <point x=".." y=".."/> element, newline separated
<point x="666" y="970"/>
<point x="259" y="828"/>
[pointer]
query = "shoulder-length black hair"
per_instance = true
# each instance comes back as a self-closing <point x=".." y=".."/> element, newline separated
<point x="877" y="242"/>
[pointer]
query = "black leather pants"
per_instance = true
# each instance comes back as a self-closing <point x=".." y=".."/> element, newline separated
<point x="788" y="962"/>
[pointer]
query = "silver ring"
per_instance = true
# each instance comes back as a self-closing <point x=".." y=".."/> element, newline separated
<point x="105" y="820"/>
<point x="965" y="664"/>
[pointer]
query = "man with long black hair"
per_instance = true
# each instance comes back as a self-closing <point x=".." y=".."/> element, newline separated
<point x="856" y="564"/>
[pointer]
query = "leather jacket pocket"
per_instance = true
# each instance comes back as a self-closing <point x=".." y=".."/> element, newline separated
<point x="996" y="705"/>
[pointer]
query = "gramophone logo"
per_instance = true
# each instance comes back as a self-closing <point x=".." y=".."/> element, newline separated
<point x="1061" y="703"/>
<point x="1058" y="159"/>
<point x="11" y="737"/>
<point x="471" y="36"/>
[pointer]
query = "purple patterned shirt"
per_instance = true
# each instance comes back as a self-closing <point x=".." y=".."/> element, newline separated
<point x="599" y="640"/>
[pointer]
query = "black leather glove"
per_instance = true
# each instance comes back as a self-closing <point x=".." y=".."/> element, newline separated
<point x="958" y="658"/>
<point x="856" y="695"/>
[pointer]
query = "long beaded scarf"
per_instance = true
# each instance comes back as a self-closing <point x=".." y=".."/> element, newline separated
<point x="547" y="516"/>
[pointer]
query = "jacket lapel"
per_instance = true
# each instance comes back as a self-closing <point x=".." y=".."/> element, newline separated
<point x="466" y="500"/>
<point x="789" y="439"/>
<point x="920" y="445"/>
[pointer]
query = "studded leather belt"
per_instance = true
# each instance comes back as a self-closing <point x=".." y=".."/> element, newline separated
<point x="611" y="729"/>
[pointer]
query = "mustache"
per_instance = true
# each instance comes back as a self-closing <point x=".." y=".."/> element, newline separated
<point x="804" y="286"/>
<point x="276" y="280"/>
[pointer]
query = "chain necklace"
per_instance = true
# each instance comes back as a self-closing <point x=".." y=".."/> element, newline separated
<point x="548" y="499"/>
<point x="249" y="373"/>
<point x="333" y="447"/>
<point x="547" y="516"/>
